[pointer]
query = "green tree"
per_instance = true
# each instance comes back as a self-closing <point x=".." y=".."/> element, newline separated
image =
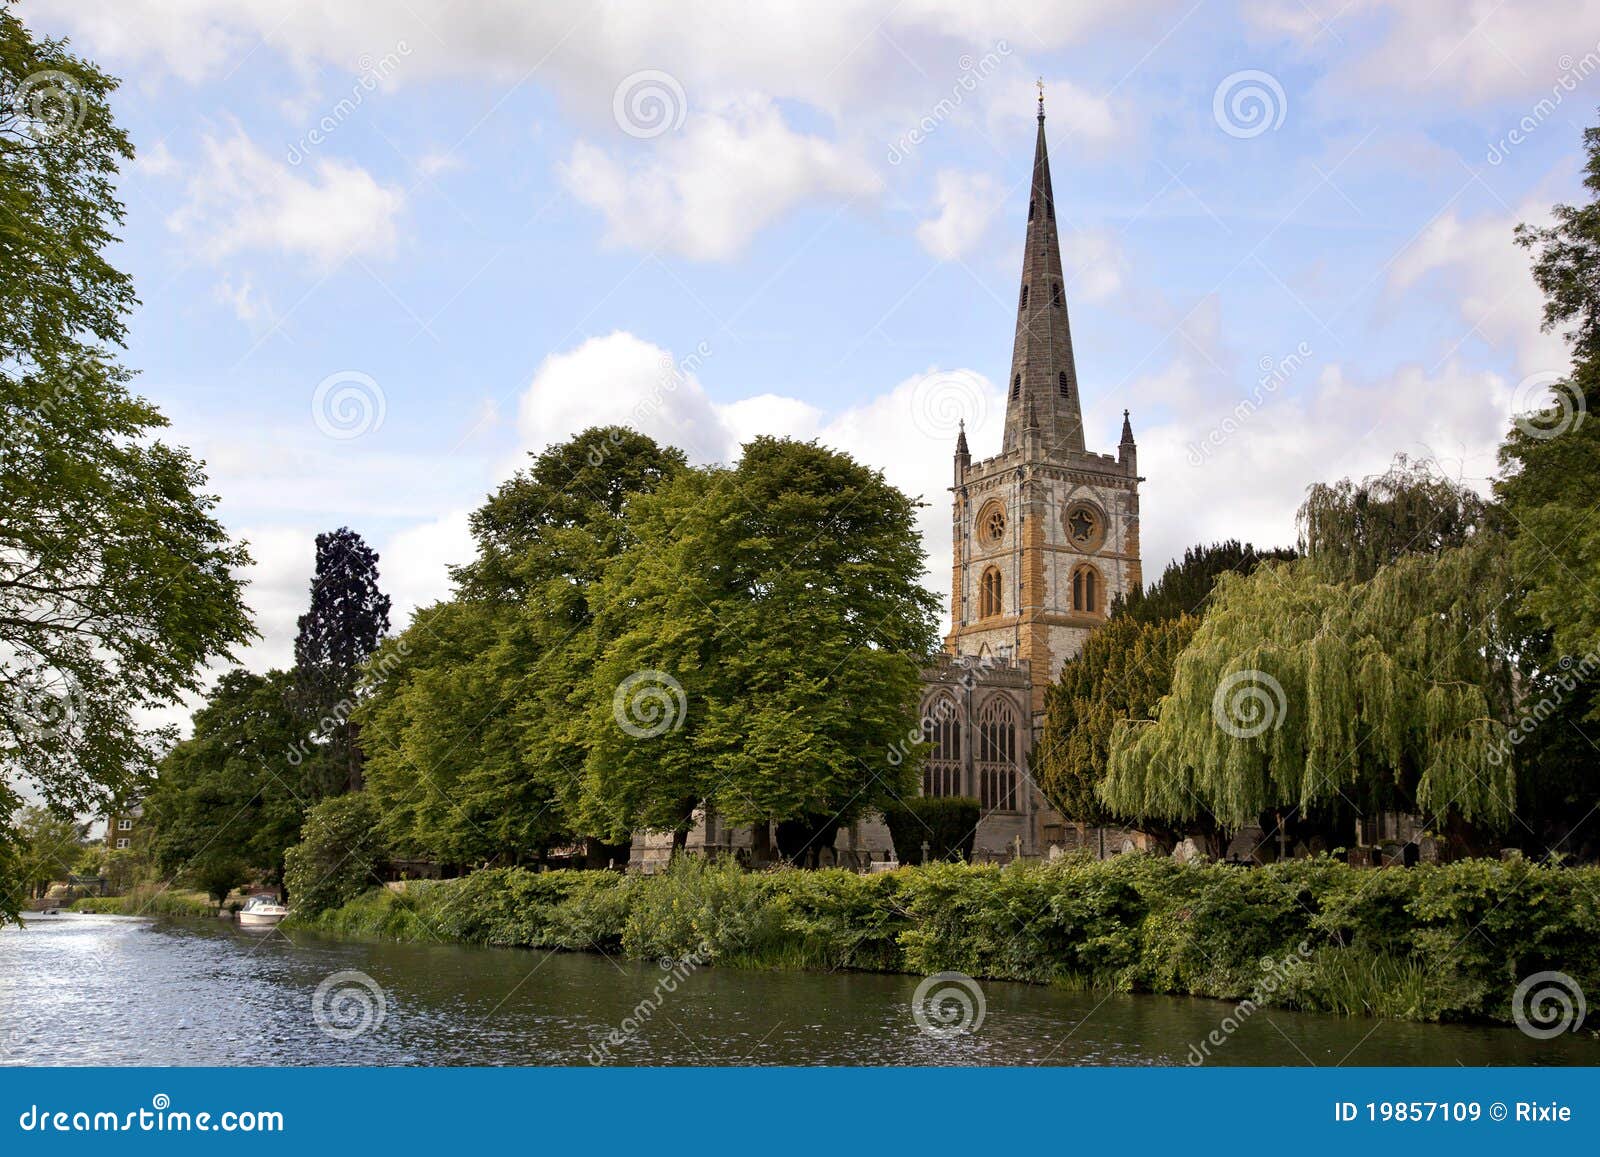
<point x="472" y="751"/>
<point x="232" y="789"/>
<point x="1349" y="530"/>
<point x="339" y="856"/>
<point x="1550" y="474"/>
<point x="1122" y="672"/>
<point x="759" y="642"/>
<point x="1299" y="693"/>
<point x="50" y="845"/>
<point x="116" y="582"/>
<point x="1185" y="585"/>
<point x="339" y="631"/>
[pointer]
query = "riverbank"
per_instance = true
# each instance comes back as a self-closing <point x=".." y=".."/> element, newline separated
<point x="1450" y="942"/>
<point x="147" y="902"/>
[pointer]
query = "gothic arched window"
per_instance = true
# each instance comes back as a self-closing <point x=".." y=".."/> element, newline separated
<point x="1055" y="294"/>
<point x="1024" y="297"/>
<point x="989" y="601"/>
<point x="941" y="726"/>
<point x="1030" y="210"/>
<point x="997" y="755"/>
<point x="1086" y="590"/>
<point x="1061" y="384"/>
<point x="1016" y="387"/>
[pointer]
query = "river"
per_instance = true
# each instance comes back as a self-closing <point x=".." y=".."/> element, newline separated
<point x="114" y="990"/>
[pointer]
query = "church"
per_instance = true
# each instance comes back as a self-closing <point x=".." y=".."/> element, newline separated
<point x="1045" y="535"/>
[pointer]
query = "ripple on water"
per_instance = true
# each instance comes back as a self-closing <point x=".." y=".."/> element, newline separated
<point x="78" y="990"/>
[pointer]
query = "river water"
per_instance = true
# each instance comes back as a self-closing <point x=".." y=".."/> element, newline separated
<point x="113" y="990"/>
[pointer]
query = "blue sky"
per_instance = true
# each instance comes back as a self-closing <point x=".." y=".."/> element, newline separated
<point x="498" y="223"/>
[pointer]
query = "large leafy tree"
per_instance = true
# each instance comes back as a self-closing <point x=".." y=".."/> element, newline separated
<point x="758" y="648"/>
<point x="448" y="764"/>
<point x="231" y="793"/>
<point x="1547" y="496"/>
<point x="472" y="750"/>
<point x="1122" y="672"/>
<point x="347" y="617"/>
<point x="1185" y="585"/>
<point x="1349" y="530"/>
<point x="1301" y="693"/>
<point x="116" y="582"/>
<point x="50" y="846"/>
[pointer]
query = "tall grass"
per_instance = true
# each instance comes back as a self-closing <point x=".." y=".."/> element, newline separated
<point x="1431" y="943"/>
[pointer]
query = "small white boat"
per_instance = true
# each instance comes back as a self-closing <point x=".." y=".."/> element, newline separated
<point x="261" y="911"/>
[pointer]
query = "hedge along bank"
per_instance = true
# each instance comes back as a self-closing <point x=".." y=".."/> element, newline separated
<point x="1447" y="942"/>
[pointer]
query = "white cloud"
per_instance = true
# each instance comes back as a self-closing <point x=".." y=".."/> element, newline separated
<point x="156" y="160"/>
<point x="1459" y="50"/>
<point x="966" y="203"/>
<point x="909" y="431"/>
<point x="241" y="297"/>
<point x="1475" y="266"/>
<point x="1219" y="469"/>
<point x="705" y="191"/>
<point x="1075" y="116"/>
<point x="433" y="164"/>
<point x="239" y="199"/>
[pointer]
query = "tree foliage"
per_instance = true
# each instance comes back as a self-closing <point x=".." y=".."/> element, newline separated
<point x="1297" y="692"/>
<point x="339" y="856"/>
<point x="1349" y="530"/>
<point x="1185" y="585"/>
<point x="471" y="730"/>
<point x="232" y="791"/>
<point x="116" y="581"/>
<point x="49" y="846"/>
<point x="1122" y="672"/>
<point x="772" y="618"/>
<point x="347" y="617"/>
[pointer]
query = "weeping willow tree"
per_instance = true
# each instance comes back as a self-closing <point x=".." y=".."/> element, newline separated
<point x="1301" y="692"/>
<point x="1351" y="529"/>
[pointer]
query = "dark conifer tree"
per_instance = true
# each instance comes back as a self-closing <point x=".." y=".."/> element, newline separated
<point x="347" y="618"/>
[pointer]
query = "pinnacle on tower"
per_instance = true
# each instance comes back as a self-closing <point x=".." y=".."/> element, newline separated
<point x="1044" y="379"/>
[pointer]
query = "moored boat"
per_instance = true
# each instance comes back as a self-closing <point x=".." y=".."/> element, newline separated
<point x="262" y="911"/>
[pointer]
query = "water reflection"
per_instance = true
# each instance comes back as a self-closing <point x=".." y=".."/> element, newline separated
<point x="79" y="990"/>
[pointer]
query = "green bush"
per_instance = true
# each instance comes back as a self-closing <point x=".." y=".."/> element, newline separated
<point x="1432" y="943"/>
<point x="947" y="824"/>
<point x="147" y="900"/>
<point x="338" y="857"/>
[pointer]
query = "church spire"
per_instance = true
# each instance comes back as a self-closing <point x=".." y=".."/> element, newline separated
<point x="1043" y="387"/>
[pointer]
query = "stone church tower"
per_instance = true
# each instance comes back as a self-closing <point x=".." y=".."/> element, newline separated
<point x="1045" y="535"/>
<point x="1046" y="532"/>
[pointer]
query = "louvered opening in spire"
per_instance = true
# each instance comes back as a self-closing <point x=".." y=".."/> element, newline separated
<point x="1044" y="380"/>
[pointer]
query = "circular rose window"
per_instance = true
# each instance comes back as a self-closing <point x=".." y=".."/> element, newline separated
<point x="992" y="524"/>
<point x="1085" y="526"/>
